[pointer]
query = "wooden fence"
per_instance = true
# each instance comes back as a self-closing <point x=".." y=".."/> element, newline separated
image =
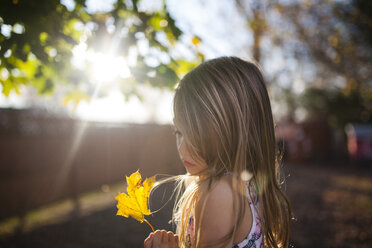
<point x="43" y="160"/>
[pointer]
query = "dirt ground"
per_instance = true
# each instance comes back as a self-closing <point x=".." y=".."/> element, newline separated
<point x="332" y="207"/>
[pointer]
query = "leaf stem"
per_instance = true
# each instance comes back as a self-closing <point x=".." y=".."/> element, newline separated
<point x="149" y="225"/>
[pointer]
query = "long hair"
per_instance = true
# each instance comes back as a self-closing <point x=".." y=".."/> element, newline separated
<point x="223" y="110"/>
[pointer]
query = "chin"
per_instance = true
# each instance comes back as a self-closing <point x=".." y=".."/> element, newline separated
<point x="191" y="172"/>
<point x="194" y="171"/>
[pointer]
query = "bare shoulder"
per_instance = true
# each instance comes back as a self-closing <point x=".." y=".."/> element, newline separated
<point x="221" y="192"/>
<point x="217" y="219"/>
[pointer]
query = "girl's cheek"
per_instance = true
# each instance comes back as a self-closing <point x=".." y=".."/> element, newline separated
<point x="182" y="147"/>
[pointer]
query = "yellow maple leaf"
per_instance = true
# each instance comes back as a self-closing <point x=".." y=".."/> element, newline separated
<point x="135" y="203"/>
<point x="195" y="40"/>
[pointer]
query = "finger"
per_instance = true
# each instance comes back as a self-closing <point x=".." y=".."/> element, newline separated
<point x="170" y="236"/>
<point x="174" y="242"/>
<point x="151" y="235"/>
<point x="164" y="237"/>
<point x="177" y="239"/>
<point x="157" y="239"/>
<point x="148" y="241"/>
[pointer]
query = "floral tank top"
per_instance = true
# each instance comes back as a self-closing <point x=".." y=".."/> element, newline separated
<point x="253" y="239"/>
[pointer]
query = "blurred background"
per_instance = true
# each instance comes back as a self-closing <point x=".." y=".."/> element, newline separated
<point x="86" y="99"/>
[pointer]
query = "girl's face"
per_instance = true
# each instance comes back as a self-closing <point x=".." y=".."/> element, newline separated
<point x="193" y="167"/>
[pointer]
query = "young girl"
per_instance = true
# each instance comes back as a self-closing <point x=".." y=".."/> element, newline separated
<point x="225" y="138"/>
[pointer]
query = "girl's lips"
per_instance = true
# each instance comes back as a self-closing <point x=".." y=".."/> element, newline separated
<point x="186" y="163"/>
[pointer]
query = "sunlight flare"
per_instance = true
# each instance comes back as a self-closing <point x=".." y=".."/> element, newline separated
<point x="101" y="67"/>
<point x="107" y="68"/>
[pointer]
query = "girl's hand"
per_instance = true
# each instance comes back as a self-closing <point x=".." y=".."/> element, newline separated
<point x="161" y="239"/>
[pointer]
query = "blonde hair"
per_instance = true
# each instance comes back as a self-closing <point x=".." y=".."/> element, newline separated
<point x="223" y="111"/>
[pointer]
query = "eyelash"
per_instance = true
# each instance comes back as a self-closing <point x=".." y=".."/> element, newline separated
<point x="176" y="132"/>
